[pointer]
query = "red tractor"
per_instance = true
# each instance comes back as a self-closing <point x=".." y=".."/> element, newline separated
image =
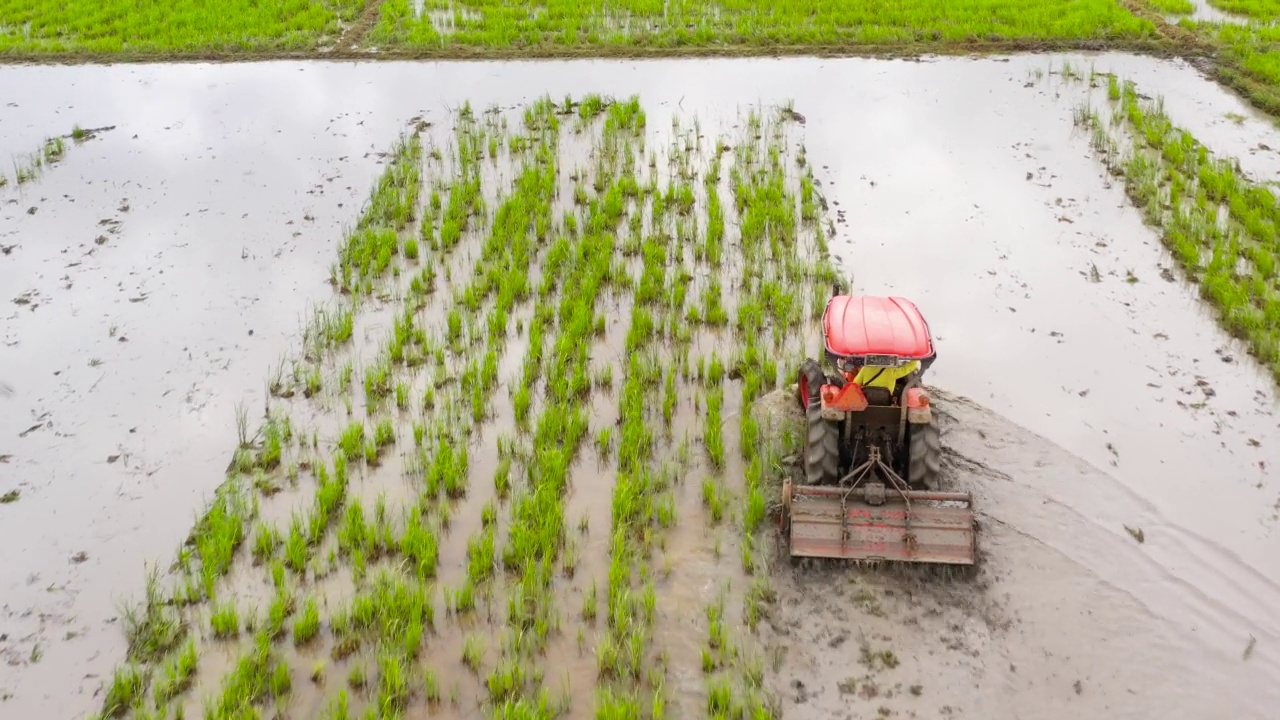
<point x="873" y="454"/>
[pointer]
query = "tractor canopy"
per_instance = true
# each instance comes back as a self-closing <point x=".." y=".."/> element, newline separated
<point x="876" y="330"/>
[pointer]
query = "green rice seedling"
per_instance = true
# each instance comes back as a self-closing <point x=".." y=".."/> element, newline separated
<point x="128" y="686"/>
<point x="506" y="681"/>
<point x="339" y="707"/>
<point x="748" y="554"/>
<point x="355" y="535"/>
<point x="569" y="558"/>
<point x="281" y="680"/>
<point x="521" y="402"/>
<point x="377" y="380"/>
<point x="277" y="574"/>
<point x="604" y="441"/>
<point x="393" y="681"/>
<point x="419" y="546"/>
<point x="351" y="442"/>
<point x="589" y="603"/>
<point x="669" y="397"/>
<point x="177" y="674"/>
<point x="463" y="599"/>
<point x="266" y="540"/>
<point x="480" y="557"/>
<point x="713" y="436"/>
<point x="713" y="499"/>
<point x="225" y="621"/>
<point x="502" y="478"/>
<point x="247" y="682"/>
<point x="455" y="327"/>
<point x="755" y="511"/>
<point x="356" y="676"/>
<point x="473" y="651"/>
<point x="153" y="628"/>
<point x="431" y="686"/>
<point x="53" y="149"/>
<point x="295" y="549"/>
<point x="279" y="610"/>
<point x="384" y="434"/>
<point x="307" y="625"/>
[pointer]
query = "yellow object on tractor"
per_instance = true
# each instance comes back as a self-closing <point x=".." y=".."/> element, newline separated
<point x="873" y="453"/>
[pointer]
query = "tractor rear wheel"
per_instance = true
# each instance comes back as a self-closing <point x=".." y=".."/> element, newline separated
<point x="821" y="449"/>
<point x="810" y="382"/>
<point x="924" y="456"/>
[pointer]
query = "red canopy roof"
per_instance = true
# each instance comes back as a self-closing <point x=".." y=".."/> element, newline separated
<point x="865" y="325"/>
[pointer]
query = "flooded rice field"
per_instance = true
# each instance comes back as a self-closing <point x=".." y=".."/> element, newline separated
<point x="159" y="272"/>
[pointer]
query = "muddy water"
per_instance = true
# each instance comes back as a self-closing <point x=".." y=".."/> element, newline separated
<point x="1036" y="634"/>
<point x="139" y="348"/>
<point x="1003" y="224"/>
<point x="1205" y="12"/>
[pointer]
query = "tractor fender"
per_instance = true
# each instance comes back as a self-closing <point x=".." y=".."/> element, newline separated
<point x="845" y="398"/>
<point x="918" y="407"/>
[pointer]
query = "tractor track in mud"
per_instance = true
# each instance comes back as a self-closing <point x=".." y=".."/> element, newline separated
<point x="349" y="43"/>
<point x="996" y="640"/>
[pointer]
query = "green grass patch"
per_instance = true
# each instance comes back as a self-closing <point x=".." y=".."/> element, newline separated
<point x="649" y="24"/>
<point x="1221" y="226"/>
<point x="181" y="26"/>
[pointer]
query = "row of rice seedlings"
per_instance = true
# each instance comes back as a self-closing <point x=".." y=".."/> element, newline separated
<point x="356" y="539"/>
<point x="776" y="266"/>
<point x="578" y="270"/>
<point x="631" y="685"/>
<point x="29" y="167"/>
<point x="1220" y="225"/>
<point x="156" y="629"/>
<point x="440" y="462"/>
<point x="365" y="254"/>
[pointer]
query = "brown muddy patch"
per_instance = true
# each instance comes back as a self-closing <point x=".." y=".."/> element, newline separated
<point x="935" y="644"/>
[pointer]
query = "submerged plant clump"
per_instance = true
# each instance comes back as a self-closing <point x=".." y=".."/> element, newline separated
<point x="1222" y="227"/>
<point x="27" y="168"/>
<point x="571" y="267"/>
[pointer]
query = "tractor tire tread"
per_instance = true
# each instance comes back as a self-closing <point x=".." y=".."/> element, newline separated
<point x="822" y="449"/>
<point x="810" y="371"/>
<point x="924" y="464"/>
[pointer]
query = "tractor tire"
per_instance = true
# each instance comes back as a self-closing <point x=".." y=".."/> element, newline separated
<point x="809" y="383"/>
<point x="924" y="457"/>
<point x="821" y="449"/>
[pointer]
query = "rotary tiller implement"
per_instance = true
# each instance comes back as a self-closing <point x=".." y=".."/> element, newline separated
<point x="872" y="453"/>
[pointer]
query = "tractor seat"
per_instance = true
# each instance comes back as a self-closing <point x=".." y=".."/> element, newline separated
<point x="878" y="396"/>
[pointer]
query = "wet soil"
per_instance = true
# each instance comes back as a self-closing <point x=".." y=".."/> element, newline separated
<point x="1055" y="623"/>
<point x="1143" y="413"/>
